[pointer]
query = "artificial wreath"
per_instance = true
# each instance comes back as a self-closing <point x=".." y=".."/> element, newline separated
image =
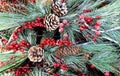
<point x="59" y="38"/>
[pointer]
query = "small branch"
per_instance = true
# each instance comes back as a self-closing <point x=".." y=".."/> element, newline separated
<point x="10" y="39"/>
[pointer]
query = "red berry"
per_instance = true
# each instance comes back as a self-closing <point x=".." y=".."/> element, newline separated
<point x="81" y="16"/>
<point x="64" y="67"/>
<point x="55" y="74"/>
<point x="63" y="1"/>
<point x="61" y="30"/>
<point x="38" y="18"/>
<point x="86" y="10"/>
<point x="82" y="75"/>
<point x="97" y="27"/>
<point x="92" y="66"/>
<point x="98" y="17"/>
<point x="83" y="27"/>
<point x="61" y="25"/>
<point x="97" y="33"/>
<point x="56" y="64"/>
<point x="16" y="46"/>
<point x="94" y="39"/>
<point x="30" y="26"/>
<point x="107" y="73"/>
<point x="65" y="22"/>
<point x="65" y="36"/>
<point x="98" y="23"/>
<point x="19" y="30"/>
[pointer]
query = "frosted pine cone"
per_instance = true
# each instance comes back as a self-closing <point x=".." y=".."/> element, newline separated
<point x="59" y="8"/>
<point x="52" y="22"/>
<point x="35" y="54"/>
<point x="67" y="50"/>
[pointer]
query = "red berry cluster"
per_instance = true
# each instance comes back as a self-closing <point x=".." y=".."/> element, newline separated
<point x="88" y="19"/>
<point x="63" y="42"/>
<point x="18" y="46"/>
<point x="38" y="22"/>
<point x="62" y="66"/>
<point x="52" y="42"/>
<point x="22" y="70"/>
<point x="62" y="25"/>
<point x="90" y="23"/>
<point x="16" y="32"/>
<point x="48" y="41"/>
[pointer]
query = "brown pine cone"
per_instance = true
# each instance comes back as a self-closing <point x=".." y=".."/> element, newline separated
<point x="59" y="8"/>
<point x="67" y="50"/>
<point x="35" y="54"/>
<point x="52" y="22"/>
<point x="87" y="55"/>
<point x="3" y="49"/>
<point x="18" y="1"/>
<point x="49" y="69"/>
<point x="11" y="7"/>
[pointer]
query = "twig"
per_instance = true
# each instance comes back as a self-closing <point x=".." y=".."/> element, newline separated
<point x="10" y="39"/>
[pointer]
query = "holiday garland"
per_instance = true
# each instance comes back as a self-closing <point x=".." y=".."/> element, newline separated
<point x="59" y="37"/>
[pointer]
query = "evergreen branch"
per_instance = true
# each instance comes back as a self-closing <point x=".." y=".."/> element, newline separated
<point x="29" y="36"/>
<point x="112" y="36"/>
<point x="93" y="47"/>
<point x="103" y="61"/>
<point x="76" y="61"/>
<point x="12" y="65"/>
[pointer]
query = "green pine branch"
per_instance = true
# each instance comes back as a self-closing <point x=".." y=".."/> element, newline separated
<point x="13" y="64"/>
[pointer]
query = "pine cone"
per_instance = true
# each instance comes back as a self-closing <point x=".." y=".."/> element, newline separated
<point x="18" y="1"/>
<point x="52" y="22"/>
<point x="49" y="69"/>
<point x="3" y="49"/>
<point x="67" y="50"/>
<point x="35" y="54"/>
<point x="59" y="8"/>
<point x="87" y="55"/>
<point x="11" y="7"/>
